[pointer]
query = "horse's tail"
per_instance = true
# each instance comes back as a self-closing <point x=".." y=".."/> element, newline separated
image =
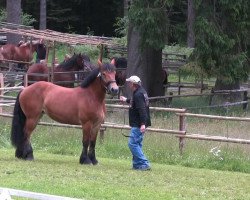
<point x="18" y="122"/>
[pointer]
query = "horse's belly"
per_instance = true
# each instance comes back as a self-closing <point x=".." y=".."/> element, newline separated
<point x="62" y="114"/>
<point x="64" y="119"/>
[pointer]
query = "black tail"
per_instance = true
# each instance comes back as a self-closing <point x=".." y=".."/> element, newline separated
<point x="18" y="122"/>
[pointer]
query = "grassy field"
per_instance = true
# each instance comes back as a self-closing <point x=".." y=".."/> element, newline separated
<point x="206" y="170"/>
<point x="113" y="179"/>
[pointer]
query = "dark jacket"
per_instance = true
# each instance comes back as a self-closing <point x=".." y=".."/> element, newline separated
<point x="139" y="108"/>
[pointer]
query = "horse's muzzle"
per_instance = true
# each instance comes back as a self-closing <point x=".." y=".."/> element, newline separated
<point x="113" y="91"/>
<point x="112" y="88"/>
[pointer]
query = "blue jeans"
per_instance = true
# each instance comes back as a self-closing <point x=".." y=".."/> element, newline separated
<point x="135" y="146"/>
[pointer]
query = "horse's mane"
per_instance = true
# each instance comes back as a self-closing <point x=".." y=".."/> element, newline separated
<point x="94" y="73"/>
<point x="69" y="63"/>
<point x="90" y="78"/>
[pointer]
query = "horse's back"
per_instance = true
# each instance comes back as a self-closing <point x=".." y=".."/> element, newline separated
<point x="37" y="72"/>
<point x="13" y="52"/>
<point x="35" y="95"/>
<point x="38" y="68"/>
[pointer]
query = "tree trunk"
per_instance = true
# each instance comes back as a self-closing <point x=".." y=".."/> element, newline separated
<point x="147" y="64"/>
<point x="43" y="15"/>
<point x="13" y="16"/>
<point x="190" y="24"/>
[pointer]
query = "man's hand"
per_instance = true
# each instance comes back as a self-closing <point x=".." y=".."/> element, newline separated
<point x="143" y="128"/>
<point x="123" y="99"/>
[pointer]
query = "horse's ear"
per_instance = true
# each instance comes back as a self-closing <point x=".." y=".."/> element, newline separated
<point x="100" y="64"/>
<point x="113" y="62"/>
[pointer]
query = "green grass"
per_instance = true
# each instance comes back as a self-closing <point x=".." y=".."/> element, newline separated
<point x="159" y="148"/>
<point x="113" y="179"/>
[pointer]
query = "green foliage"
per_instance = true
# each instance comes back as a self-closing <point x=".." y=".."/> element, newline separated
<point x="3" y="15"/>
<point x="150" y="19"/>
<point x="26" y="19"/>
<point x="121" y="26"/>
<point x="222" y="30"/>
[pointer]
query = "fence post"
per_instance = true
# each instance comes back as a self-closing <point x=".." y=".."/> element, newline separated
<point x="179" y="82"/>
<point x="1" y="91"/>
<point x="25" y="80"/>
<point x="53" y="62"/>
<point x="211" y="97"/>
<point x="102" y="135"/>
<point x="182" y="127"/>
<point x="245" y="98"/>
<point x="202" y="87"/>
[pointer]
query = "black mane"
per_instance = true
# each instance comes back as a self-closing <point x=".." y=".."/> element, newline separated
<point x="71" y="62"/>
<point x="94" y="73"/>
<point x="90" y="78"/>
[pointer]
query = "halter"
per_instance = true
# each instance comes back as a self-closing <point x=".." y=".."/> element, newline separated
<point x="106" y="84"/>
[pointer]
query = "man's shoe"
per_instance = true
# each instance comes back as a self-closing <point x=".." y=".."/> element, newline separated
<point x="143" y="168"/>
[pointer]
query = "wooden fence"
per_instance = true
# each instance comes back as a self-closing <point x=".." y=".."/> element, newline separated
<point x="6" y="193"/>
<point x="182" y="114"/>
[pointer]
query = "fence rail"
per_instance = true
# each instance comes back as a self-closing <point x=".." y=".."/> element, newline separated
<point x="6" y="193"/>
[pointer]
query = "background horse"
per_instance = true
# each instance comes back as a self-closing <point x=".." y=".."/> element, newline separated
<point x="84" y="105"/>
<point x="75" y="63"/>
<point x="24" y="52"/>
<point x="121" y="64"/>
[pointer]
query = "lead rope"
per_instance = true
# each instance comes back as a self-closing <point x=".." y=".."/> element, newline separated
<point x="124" y="121"/>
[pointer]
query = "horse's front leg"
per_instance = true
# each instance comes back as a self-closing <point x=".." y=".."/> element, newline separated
<point x="84" y="158"/>
<point x="91" y="152"/>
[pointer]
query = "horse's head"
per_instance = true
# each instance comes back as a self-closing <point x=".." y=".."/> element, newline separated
<point x="30" y="45"/>
<point x="79" y="60"/>
<point x="73" y="63"/>
<point x="107" y="74"/>
<point x="121" y="64"/>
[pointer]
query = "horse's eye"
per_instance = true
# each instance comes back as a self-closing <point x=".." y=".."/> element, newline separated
<point x="104" y="74"/>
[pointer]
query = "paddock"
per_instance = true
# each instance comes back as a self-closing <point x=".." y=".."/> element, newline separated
<point x="182" y="133"/>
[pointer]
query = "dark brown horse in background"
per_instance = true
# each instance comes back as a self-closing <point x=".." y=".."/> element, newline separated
<point x="121" y="65"/>
<point x="83" y="105"/>
<point x="24" y="52"/>
<point x="39" y="71"/>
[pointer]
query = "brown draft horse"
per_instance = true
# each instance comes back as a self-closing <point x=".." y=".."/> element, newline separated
<point x="39" y="71"/>
<point x="24" y="52"/>
<point x="83" y="105"/>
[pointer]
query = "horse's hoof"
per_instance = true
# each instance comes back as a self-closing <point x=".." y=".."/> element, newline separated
<point x="94" y="162"/>
<point x="19" y="154"/>
<point x="85" y="161"/>
<point x="29" y="157"/>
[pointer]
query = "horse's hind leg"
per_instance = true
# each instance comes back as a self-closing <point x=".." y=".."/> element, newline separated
<point x="27" y="150"/>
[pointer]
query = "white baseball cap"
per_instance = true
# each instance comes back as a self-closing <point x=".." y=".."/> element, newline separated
<point x="134" y="79"/>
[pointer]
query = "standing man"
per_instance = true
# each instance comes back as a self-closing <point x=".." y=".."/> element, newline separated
<point x="139" y="120"/>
